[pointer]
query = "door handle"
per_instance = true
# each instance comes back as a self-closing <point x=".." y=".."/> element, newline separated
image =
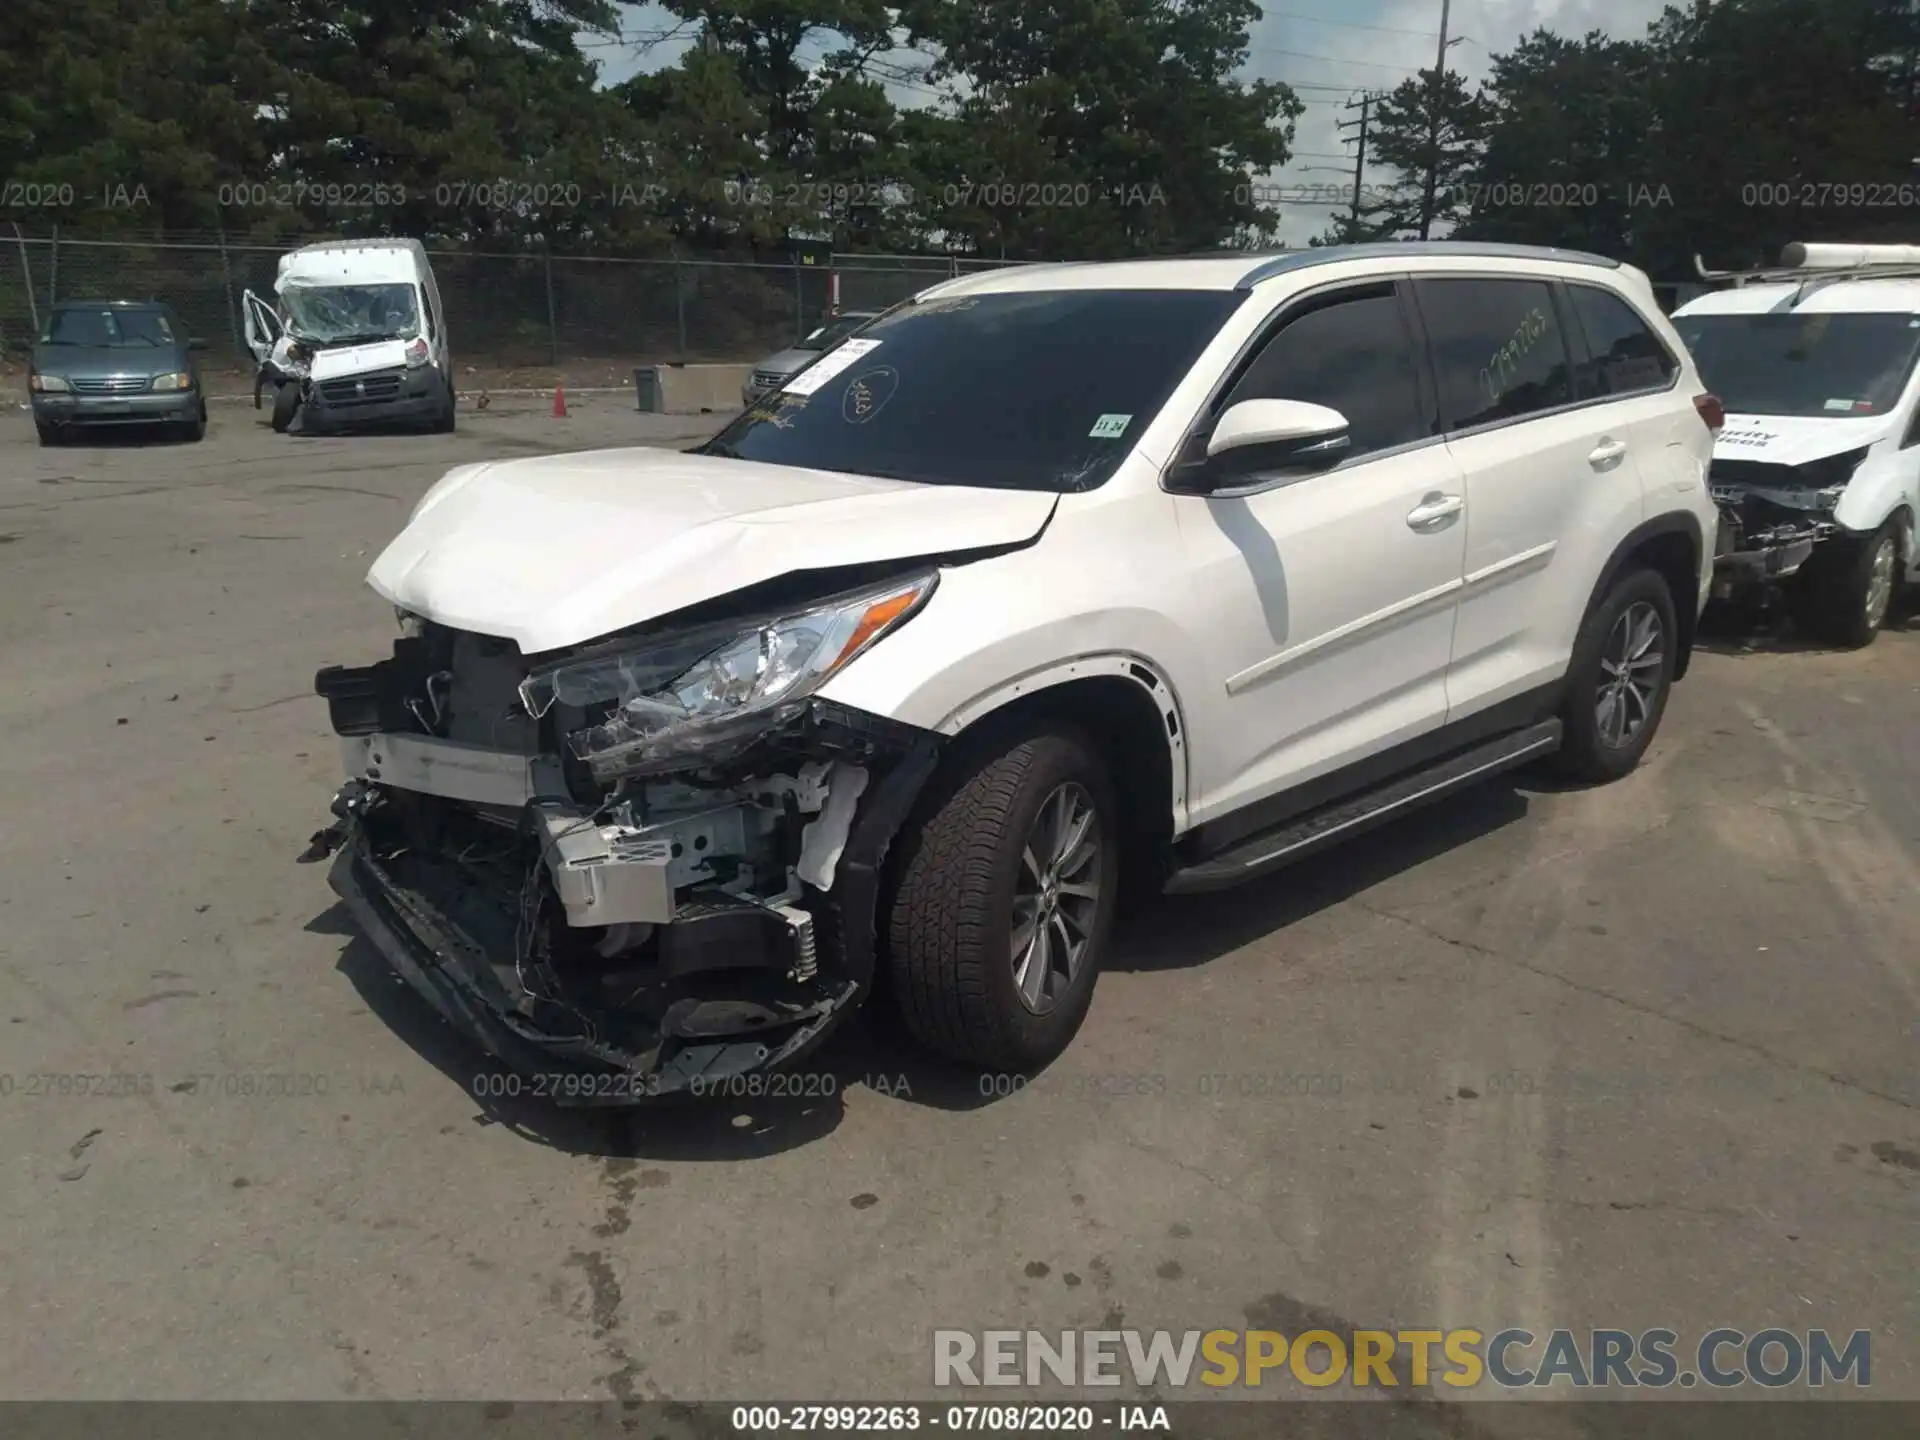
<point x="1606" y="453"/>
<point x="1433" y="509"/>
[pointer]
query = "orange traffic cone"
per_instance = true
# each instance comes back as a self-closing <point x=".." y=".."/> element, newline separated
<point x="559" y="402"/>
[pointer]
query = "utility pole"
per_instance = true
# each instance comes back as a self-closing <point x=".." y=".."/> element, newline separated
<point x="1365" y="104"/>
<point x="1433" y="126"/>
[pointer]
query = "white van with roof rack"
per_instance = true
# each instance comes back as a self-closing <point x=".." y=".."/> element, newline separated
<point x="1817" y="469"/>
<point x="358" y="338"/>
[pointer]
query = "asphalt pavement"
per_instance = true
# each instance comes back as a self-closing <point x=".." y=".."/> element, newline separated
<point x="1628" y="1057"/>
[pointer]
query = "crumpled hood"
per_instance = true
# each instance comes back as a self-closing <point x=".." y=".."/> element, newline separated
<point x="562" y="549"/>
<point x="1795" y="439"/>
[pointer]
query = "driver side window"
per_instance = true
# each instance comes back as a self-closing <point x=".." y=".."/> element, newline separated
<point x="1352" y="353"/>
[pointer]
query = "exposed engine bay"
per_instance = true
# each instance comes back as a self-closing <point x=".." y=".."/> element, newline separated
<point x="1772" y="516"/>
<point x="586" y="888"/>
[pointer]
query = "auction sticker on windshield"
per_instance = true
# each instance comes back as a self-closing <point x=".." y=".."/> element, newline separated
<point x="833" y="363"/>
<point x="1110" y="427"/>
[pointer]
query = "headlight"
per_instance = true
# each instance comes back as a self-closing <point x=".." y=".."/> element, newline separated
<point x="417" y="354"/>
<point x="179" y="380"/>
<point x="47" y="383"/>
<point x="705" y="691"/>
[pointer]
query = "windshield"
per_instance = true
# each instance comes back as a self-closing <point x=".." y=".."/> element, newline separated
<point x="109" y="329"/>
<point x="1826" y="365"/>
<point x="337" y="314"/>
<point x="833" y="332"/>
<point x="1035" y="391"/>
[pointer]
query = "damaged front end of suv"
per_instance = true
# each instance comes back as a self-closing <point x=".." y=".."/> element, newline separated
<point x="638" y="866"/>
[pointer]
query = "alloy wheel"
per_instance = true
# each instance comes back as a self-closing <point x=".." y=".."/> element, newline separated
<point x="1880" y="582"/>
<point x="1056" y="897"/>
<point x="1631" y="666"/>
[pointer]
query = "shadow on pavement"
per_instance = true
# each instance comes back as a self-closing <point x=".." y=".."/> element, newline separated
<point x="122" y="437"/>
<point x="873" y="1050"/>
<point x="1764" y="627"/>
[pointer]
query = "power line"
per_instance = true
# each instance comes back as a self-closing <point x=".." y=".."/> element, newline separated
<point x="1349" y="24"/>
<point x="1332" y="59"/>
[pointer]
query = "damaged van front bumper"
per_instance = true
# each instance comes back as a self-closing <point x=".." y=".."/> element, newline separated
<point x="615" y="943"/>
<point x="1772" y="519"/>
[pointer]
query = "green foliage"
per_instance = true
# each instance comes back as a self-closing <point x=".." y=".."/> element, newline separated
<point x="1788" y="101"/>
<point x="1570" y="142"/>
<point x="1428" y="133"/>
<point x="1044" y="129"/>
<point x="1097" y="127"/>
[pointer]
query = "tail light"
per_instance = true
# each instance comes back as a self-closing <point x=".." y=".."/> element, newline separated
<point x="1711" y="411"/>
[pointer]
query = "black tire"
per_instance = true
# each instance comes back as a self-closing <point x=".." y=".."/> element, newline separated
<point x="949" y="926"/>
<point x="286" y="400"/>
<point x="195" y="430"/>
<point x="50" y="435"/>
<point x="1586" y="751"/>
<point x="443" y="423"/>
<point x="1830" y="595"/>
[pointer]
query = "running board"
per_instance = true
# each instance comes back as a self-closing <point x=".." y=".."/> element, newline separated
<point x="1271" y="849"/>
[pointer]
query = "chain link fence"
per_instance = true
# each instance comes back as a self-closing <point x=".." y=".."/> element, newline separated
<point x="504" y="311"/>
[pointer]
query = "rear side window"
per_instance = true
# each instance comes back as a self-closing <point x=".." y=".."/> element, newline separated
<point x="1353" y="355"/>
<point x="1624" y="355"/>
<point x="1498" y="349"/>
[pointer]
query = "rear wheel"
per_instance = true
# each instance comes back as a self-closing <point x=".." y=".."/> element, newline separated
<point x="1842" y="596"/>
<point x="286" y="400"/>
<point x="1618" y="681"/>
<point x="1005" y="898"/>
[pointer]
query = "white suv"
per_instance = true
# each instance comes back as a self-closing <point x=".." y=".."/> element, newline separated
<point x="1050" y="585"/>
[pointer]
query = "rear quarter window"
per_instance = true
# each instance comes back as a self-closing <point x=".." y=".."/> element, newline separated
<point x="1624" y="355"/>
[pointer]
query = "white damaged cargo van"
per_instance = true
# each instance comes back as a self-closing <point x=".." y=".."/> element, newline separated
<point x="358" y="338"/>
<point x="1816" y="471"/>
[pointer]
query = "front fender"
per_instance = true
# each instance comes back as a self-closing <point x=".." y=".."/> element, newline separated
<point x="1879" y="488"/>
<point x="1136" y="670"/>
<point x="1001" y="630"/>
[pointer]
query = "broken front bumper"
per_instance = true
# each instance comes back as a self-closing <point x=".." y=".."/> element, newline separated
<point x="628" y="943"/>
<point x="1746" y="557"/>
<point x="696" y="1048"/>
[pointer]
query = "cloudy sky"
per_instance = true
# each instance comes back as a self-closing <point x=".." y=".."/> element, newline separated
<point x="1329" y="50"/>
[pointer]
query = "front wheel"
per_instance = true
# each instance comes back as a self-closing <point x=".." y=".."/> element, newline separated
<point x="999" y="922"/>
<point x="286" y="400"/>
<point x="1617" y="684"/>
<point x="50" y="435"/>
<point x="1843" y="596"/>
<point x="444" y="422"/>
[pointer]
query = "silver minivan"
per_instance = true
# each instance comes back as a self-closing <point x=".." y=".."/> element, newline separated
<point x="778" y="368"/>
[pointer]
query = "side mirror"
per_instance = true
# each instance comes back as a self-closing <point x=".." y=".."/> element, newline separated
<point x="1278" y="435"/>
<point x="196" y="343"/>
